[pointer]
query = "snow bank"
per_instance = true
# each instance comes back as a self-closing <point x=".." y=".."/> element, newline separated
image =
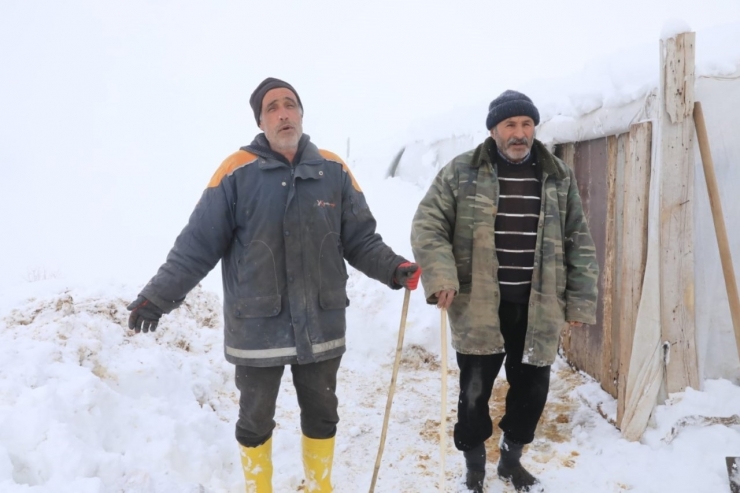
<point x="674" y="27"/>
<point x="608" y="95"/>
<point x="86" y="406"/>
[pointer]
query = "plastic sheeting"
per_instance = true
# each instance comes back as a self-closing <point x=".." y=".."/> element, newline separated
<point x="716" y="347"/>
<point x="647" y="364"/>
<point x="715" y="337"/>
<point x="647" y="360"/>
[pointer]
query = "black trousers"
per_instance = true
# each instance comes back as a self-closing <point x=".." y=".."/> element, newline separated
<point x="315" y="385"/>
<point x="528" y="387"/>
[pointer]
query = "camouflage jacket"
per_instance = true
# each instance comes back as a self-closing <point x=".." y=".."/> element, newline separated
<point x="453" y="240"/>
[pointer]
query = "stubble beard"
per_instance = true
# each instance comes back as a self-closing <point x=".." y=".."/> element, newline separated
<point x="286" y="141"/>
<point x="504" y="147"/>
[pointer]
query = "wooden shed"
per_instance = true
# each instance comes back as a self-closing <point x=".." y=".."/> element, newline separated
<point x="640" y="192"/>
<point x="664" y="322"/>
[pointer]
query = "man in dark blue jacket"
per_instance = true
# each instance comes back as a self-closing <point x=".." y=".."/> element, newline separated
<point x="282" y="216"/>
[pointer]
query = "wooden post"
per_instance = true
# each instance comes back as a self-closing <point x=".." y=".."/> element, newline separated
<point x="676" y="207"/>
<point x="569" y="154"/>
<point x="633" y="247"/>
<point x="443" y="417"/>
<point x="607" y="370"/>
<point x="392" y="389"/>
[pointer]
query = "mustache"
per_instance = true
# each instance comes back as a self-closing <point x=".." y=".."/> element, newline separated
<point x="514" y="141"/>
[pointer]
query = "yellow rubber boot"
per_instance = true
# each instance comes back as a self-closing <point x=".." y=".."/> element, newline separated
<point x="257" y="465"/>
<point x="318" y="456"/>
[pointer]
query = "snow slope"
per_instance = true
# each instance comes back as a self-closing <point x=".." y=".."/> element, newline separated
<point x="88" y="407"/>
<point x="610" y="92"/>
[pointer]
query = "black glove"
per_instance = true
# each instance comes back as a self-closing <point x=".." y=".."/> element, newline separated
<point x="407" y="275"/>
<point x="144" y="316"/>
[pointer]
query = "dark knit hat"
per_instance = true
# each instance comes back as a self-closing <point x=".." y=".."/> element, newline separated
<point x="511" y="103"/>
<point x="255" y="100"/>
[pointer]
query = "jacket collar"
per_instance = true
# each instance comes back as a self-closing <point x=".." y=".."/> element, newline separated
<point x="307" y="151"/>
<point x="551" y="165"/>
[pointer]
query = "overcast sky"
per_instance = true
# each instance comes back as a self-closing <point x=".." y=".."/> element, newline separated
<point x="113" y="115"/>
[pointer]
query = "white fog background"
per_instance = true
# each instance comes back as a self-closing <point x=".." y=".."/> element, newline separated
<point x="113" y="115"/>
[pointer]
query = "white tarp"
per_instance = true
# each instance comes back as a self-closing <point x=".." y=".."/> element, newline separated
<point x="715" y="338"/>
<point x="716" y="347"/>
<point x="647" y="362"/>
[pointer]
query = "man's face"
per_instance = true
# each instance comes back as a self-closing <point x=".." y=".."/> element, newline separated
<point x="514" y="137"/>
<point x="281" y="119"/>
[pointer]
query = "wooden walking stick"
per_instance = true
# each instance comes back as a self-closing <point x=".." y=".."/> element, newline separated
<point x="733" y="463"/>
<point x="719" y="221"/>
<point x="397" y="362"/>
<point x="443" y="420"/>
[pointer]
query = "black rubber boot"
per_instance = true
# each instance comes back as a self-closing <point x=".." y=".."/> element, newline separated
<point x="511" y="470"/>
<point x="475" y="461"/>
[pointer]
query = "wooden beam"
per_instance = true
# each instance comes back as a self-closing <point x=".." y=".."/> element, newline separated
<point x="608" y="375"/>
<point x="633" y="247"/>
<point x="678" y="325"/>
<point x="622" y="158"/>
<point x="569" y="154"/>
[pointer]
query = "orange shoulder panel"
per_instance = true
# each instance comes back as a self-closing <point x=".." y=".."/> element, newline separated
<point x="330" y="156"/>
<point x="236" y="160"/>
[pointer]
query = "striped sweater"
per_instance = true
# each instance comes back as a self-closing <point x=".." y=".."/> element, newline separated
<point x="516" y="226"/>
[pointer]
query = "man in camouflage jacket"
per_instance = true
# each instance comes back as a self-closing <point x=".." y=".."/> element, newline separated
<point x="282" y="216"/>
<point x="504" y="245"/>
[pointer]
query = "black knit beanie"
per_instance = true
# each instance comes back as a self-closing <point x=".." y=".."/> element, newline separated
<point x="511" y="103"/>
<point x="255" y="100"/>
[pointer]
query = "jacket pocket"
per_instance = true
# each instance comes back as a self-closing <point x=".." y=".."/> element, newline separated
<point x="259" y="307"/>
<point x="333" y="299"/>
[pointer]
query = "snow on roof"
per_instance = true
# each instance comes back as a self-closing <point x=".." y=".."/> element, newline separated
<point x="617" y="87"/>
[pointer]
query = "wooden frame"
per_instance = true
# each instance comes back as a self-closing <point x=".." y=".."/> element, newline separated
<point x="624" y="207"/>
<point x="621" y="236"/>
<point x="632" y="248"/>
<point x="677" y="211"/>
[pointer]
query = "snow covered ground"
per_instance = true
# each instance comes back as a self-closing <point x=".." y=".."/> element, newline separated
<point x="88" y="407"/>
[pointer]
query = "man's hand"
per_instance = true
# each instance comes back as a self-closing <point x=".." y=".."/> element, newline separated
<point x="407" y="275"/>
<point x="144" y="316"/>
<point x="444" y="298"/>
<point x="575" y="324"/>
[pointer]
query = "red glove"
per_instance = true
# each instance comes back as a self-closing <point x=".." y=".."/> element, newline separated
<point x="407" y="275"/>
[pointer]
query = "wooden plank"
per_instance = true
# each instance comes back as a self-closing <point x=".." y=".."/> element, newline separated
<point x="622" y="158"/>
<point x="633" y="247"/>
<point x="607" y="292"/>
<point x="584" y="346"/>
<point x="678" y="325"/>
<point x="678" y="76"/>
<point x="569" y="154"/>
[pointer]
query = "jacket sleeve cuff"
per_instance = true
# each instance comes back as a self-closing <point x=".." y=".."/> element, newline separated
<point x="165" y="305"/>
<point x="394" y="265"/>
<point x="431" y="292"/>
<point x="580" y="313"/>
